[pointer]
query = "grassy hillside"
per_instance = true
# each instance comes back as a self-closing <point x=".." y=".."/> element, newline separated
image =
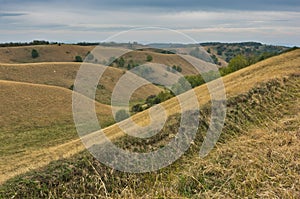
<point x="240" y="82"/>
<point x="35" y="117"/>
<point x="222" y="53"/>
<point x="227" y="51"/>
<point x="63" y="75"/>
<point x="139" y="57"/>
<point x="257" y="156"/>
<point x="47" y="53"/>
<point x="102" y="54"/>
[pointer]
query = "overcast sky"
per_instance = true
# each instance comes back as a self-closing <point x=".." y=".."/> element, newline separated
<point x="267" y="21"/>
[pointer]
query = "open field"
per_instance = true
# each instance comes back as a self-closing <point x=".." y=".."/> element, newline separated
<point x="63" y="75"/>
<point x="67" y="53"/>
<point x="276" y="67"/>
<point x="165" y="59"/>
<point x="257" y="156"/>
<point x="47" y="53"/>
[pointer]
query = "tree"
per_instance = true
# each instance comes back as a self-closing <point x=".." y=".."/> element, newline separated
<point x="121" y="62"/>
<point x="237" y="63"/>
<point x="149" y="58"/>
<point x="220" y="52"/>
<point x="90" y="56"/>
<point x="78" y="58"/>
<point x="137" y="108"/>
<point x="71" y="87"/>
<point x="179" y="69"/>
<point x="151" y="100"/>
<point x="121" y="115"/>
<point x="181" y="86"/>
<point x="34" y="53"/>
<point x="111" y="60"/>
<point x="174" y="68"/>
<point x="215" y="59"/>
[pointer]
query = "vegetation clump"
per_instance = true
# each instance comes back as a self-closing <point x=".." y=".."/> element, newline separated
<point x="149" y="58"/>
<point x="78" y="58"/>
<point x="34" y="53"/>
<point x="121" y="115"/>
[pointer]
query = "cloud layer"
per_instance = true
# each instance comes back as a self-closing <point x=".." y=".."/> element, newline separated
<point x="267" y="21"/>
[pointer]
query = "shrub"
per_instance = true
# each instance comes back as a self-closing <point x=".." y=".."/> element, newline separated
<point x="149" y="58"/>
<point x="121" y="115"/>
<point x="215" y="59"/>
<point x="71" y="87"/>
<point x="176" y="68"/>
<point x="179" y="69"/>
<point x="237" y="63"/>
<point x="137" y="108"/>
<point x="121" y="62"/>
<point x="90" y="56"/>
<point x="78" y="58"/>
<point x="34" y="53"/>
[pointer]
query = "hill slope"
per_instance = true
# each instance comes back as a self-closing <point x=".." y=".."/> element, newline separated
<point x="34" y="117"/>
<point x="278" y="67"/>
<point x="139" y="57"/>
<point x="258" y="156"/>
<point x="63" y="75"/>
<point x="102" y="54"/>
<point x="47" y="53"/>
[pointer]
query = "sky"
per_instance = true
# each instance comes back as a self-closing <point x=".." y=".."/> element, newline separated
<point x="167" y="21"/>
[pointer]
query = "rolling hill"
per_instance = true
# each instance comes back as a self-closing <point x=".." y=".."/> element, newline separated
<point x="139" y="57"/>
<point x="222" y="53"/>
<point x="63" y="74"/>
<point x="102" y="54"/>
<point x="278" y="74"/>
<point x="47" y="53"/>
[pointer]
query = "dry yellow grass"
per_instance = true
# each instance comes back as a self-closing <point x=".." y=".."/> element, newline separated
<point x="27" y="108"/>
<point x="235" y="84"/>
<point x="166" y="59"/>
<point x="47" y="53"/>
<point x="263" y="162"/>
<point x="63" y="75"/>
<point x="26" y="105"/>
<point x="257" y="157"/>
<point x="240" y="81"/>
<point x="67" y="53"/>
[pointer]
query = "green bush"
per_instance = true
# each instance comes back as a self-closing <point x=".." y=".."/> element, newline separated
<point x="120" y="62"/>
<point x="215" y="59"/>
<point x="179" y="69"/>
<point x="161" y="97"/>
<point x="34" y="53"/>
<point x="78" y="58"/>
<point x="121" y="115"/>
<point x="90" y="56"/>
<point x="236" y="63"/>
<point x="175" y="68"/>
<point x="149" y="58"/>
<point x="71" y="87"/>
<point x="181" y="86"/>
<point x="137" y="108"/>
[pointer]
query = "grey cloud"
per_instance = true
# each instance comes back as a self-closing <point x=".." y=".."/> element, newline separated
<point x="287" y="5"/>
<point x="166" y="5"/>
<point x="3" y="14"/>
